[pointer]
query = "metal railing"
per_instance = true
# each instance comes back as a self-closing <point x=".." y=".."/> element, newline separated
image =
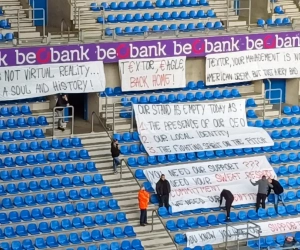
<point x="101" y="123"/>
<point x="129" y="111"/>
<point x="238" y="9"/>
<point x="56" y="117"/>
<point x="62" y="23"/>
<point x="19" y="28"/>
<point x="152" y="226"/>
<point x="270" y="99"/>
<point x="244" y="233"/>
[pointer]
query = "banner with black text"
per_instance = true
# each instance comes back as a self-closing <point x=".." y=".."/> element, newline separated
<point x="217" y="235"/>
<point x="21" y="82"/>
<point x="193" y="127"/>
<point x="154" y="73"/>
<point x="252" y="65"/>
<point x="198" y="185"/>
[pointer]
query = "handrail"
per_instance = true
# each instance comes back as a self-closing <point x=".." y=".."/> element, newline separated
<point x="59" y="117"/>
<point x="99" y="119"/>
<point x="241" y="231"/>
<point x="152" y="226"/>
<point x="131" y="119"/>
<point x="269" y="99"/>
<point x="31" y="19"/>
<point x="62" y="28"/>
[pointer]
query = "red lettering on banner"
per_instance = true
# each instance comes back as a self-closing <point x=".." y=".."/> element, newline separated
<point x="282" y="227"/>
<point x="245" y="197"/>
<point x="162" y="80"/>
<point x="258" y="174"/>
<point x="197" y="190"/>
<point x="227" y="177"/>
<point x="139" y="82"/>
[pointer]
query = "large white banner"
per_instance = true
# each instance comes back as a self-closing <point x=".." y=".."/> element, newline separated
<point x="154" y="73"/>
<point x="198" y="185"/>
<point x="192" y="127"/>
<point x="217" y="235"/>
<point x="21" y="82"/>
<point x="252" y="65"/>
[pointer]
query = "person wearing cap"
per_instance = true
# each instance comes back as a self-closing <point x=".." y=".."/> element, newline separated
<point x="163" y="190"/>
<point x="263" y="188"/>
<point x="62" y="101"/>
<point x="143" y="197"/>
<point x="115" y="152"/>
<point x="229" y="198"/>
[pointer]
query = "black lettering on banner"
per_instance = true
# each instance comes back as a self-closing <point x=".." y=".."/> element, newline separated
<point x="293" y="71"/>
<point x="188" y="147"/>
<point x="256" y="140"/>
<point x="81" y="85"/>
<point x="217" y="62"/>
<point x="11" y="75"/>
<point x="19" y="90"/>
<point x="4" y="92"/>
<point x="154" y="125"/>
<point x="179" y="172"/>
<point x="179" y="182"/>
<point x="202" y="181"/>
<point x="214" y="199"/>
<point x="210" y="235"/>
<point x="74" y="70"/>
<point x="219" y="77"/>
<point x="223" y="167"/>
<point x="217" y="133"/>
<point x="198" y="170"/>
<point x="42" y="88"/>
<point x="161" y="109"/>
<point x="164" y="149"/>
<point x="181" y="136"/>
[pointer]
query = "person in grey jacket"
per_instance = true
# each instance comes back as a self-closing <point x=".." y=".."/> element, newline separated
<point x="263" y="188"/>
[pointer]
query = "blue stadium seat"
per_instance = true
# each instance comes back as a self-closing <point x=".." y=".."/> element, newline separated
<point x="261" y="22"/>
<point x="278" y="10"/>
<point x="180" y="239"/>
<point x="286" y="21"/>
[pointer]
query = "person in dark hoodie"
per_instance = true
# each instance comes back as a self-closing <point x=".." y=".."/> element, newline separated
<point x="263" y="188"/>
<point x="62" y="101"/>
<point x="163" y="189"/>
<point x="115" y="152"/>
<point x="278" y="192"/>
<point x="228" y="196"/>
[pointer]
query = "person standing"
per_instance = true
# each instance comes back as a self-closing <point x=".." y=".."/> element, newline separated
<point x="143" y="198"/>
<point x="163" y="190"/>
<point x="229" y="198"/>
<point x="62" y="101"/>
<point x="263" y="188"/>
<point x="278" y="192"/>
<point x="115" y="152"/>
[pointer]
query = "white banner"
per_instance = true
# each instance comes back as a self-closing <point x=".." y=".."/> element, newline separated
<point x="198" y="185"/>
<point x="154" y="73"/>
<point x="217" y="235"/>
<point x="252" y="65"/>
<point x="21" y="82"/>
<point x="193" y="127"/>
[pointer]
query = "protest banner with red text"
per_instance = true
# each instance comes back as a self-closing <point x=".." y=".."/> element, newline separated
<point x="217" y="235"/>
<point x="198" y="185"/>
<point x="154" y="73"/>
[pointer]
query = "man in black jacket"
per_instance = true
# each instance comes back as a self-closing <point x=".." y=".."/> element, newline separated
<point x="278" y="192"/>
<point x="229" y="198"/>
<point x="62" y="101"/>
<point x="115" y="152"/>
<point x="163" y="189"/>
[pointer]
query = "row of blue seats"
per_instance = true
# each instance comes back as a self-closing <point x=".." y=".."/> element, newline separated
<point x="52" y="197"/>
<point x="58" y="226"/>
<point x="28" y="173"/>
<point x="62" y="211"/>
<point x="205" y="247"/>
<point x="23" y="123"/>
<point x="157" y="16"/>
<point x="15" y="111"/>
<point x="43" y="159"/>
<point x="21" y="135"/>
<point x="14" y="148"/>
<point x="188" y="97"/>
<point x="117" y="91"/>
<point x="171" y="98"/>
<point x="275" y="123"/>
<point x="205" y="155"/>
<point x="287" y="170"/>
<point x="63" y="240"/>
<point x="271" y="241"/>
<point x="283" y="158"/>
<point x="22" y="101"/>
<point x="140" y="30"/>
<point x="294" y="110"/>
<point x="54" y="183"/>
<point x="8" y="37"/>
<point x="146" y="4"/>
<point x="285" y="133"/>
<point x="278" y="22"/>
